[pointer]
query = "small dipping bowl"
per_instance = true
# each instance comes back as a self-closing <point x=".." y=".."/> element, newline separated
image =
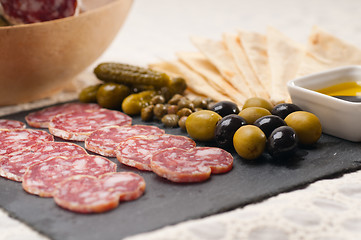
<point x="339" y="117"/>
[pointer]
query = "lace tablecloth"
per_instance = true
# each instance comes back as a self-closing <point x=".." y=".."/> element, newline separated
<point x="155" y="30"/>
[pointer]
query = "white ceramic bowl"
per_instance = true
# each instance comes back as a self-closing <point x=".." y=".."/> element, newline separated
<point x="38" y="59"/>
<point x="338" y="117"/>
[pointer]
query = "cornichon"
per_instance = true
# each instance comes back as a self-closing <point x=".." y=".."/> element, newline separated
<point x="130" y="75"/>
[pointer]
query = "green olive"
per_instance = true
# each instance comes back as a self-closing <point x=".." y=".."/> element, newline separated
<point x="258" y="102"/>
<point x="306" y="125"/>
<point x="251" y="114"/>
<point x="170" y="120"/>
<point x="134" y="103"/>
<point x="202" y="124"/>
<point x="249" y="142"/>
<point x="89" y="94"/>
<point x="111" y="95"/>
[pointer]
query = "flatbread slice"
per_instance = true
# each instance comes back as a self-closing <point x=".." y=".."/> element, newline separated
<point x="235" y="47"/>
<point x="285" y="57"/>
<point x="325" y="51"/>
<point x="255" y="47"/>
<point x="200" y="64"/>
<point x="219" y="56"/>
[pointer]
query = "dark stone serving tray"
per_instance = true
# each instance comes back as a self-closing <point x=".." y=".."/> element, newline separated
<point x="165" y="203"/>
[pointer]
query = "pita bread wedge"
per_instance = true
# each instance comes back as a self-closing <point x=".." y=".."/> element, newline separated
<point x="219" y="56"/>
<point x="326" y="51"/>
<point x="200" y="64"/>
<point x="285" y="57"/>
<point x="195" y="82"/>
<point x="255" y="47"/>
<point x="235" y="47"/>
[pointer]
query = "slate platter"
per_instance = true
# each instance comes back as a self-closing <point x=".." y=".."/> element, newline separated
<point x="165" y="203"/>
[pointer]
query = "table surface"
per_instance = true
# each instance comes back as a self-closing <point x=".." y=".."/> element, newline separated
<point x="154" y="31"/>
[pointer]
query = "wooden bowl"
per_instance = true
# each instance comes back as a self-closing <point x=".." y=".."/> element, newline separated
<point x="39" y="59"/>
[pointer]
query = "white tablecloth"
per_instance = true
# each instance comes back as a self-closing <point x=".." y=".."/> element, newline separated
<point x="155" y="30"/>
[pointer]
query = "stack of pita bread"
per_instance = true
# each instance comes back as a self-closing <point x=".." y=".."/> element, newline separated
<point x="249" y="64"/>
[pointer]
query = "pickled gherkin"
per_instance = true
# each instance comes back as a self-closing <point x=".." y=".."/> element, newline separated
<point x="130" y="75"/>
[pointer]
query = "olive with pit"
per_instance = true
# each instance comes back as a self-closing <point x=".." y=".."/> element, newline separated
<point x="89" y="94"/>
<point x="202" y="124"/>
<point x="282" y="142"/>
<point x="249" y="142"/>
<point x="111" y="95"/>
<point x="251" y="114"/>
<point x="226" y="128"/>
<point x="284" y="109"/>
<point x="225" y="108"/>
<point x="269" y="123"/>
<point x="170" y="120"/>
<point x="258" y="102"/>
<point x="306" y="125"/>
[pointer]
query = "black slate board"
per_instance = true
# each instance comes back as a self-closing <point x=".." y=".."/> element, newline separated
<point x="166" y="203"/>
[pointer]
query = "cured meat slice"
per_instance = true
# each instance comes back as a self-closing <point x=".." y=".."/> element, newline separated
<point x="11" y="124"/>
<point x="41" y="178"/>
<point x="78" y="126"/>
<point x="104" y="141"/>
<point x="31" y="11"/>
<point x="87" y="194"/>
<point x="12" y="140"/>
<point x="137" y="151"/>
<point x="14" y="165"/>
<point x="193" y="165"/>
<point x="41" y="118"/>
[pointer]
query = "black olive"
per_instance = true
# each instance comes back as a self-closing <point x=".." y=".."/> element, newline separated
<point x="225" y="129"/>
<point x="283" y="109"/>
<point x="225" y="108"/>
<point x="269" y="123"/>
<point x="282" y="142"/>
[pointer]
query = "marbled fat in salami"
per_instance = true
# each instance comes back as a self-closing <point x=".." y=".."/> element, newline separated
<point x="42" y="178"/>
<point x="41" y="118"/>
<point x="87" y="194"/>
<point x="137" y="151"/>
<point x="11" y="124"/>
<point x="104" y="141"/>
<point x="78" y="126"/>
<point x="12" y="140"/>
<point x="32" y="11"/>
<point x="193" y="165"/>
<point x="14" y="165"/>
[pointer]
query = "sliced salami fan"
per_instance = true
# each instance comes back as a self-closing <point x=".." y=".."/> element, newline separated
<point x="31" y="11"/>
<point x="137" y="151"/>
<point x="193" y="165"/>
<point x="14" y="165"/>
<point x="11" y="124"/>
<point x="104" y="141"/>
<point x="12" y="140"/>
<point x="41" y="118"/>
<point x="87" y="194"/>
<point x="41" y="178"/>
<point x="78" y="126"/>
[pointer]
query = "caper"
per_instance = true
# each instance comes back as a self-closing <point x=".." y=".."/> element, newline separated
<point x="172" y="109"/>
<point x="185" y="103"/>
<point x="175" y="99"/>
<point x="111" y="95"/>
<point x="160" y="110"/>
<point x="182" y="123"/>
<point x="184" y="112"/>
<point x="210" y="105"/>
<point x="170" y="120"/>
<point x="146" y="113"/>
<point x="200" y="102"/>
<point x="157" y="99"/>
<point x="89" y="94"/>
<point x="178" y="85"/>
<point x="166" y="93"/>
<point x="198" y="109"/>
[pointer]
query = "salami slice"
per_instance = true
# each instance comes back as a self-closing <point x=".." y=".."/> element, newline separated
<point x="14" y="165"/>
<point x="11" y="124"/>
<point x="78" y="126"/>
<point x="42" y="178"/>
<point x="193" y="165"/>
<point x="31" y="11"/>
<point x="104" y="141"/>
<point x="12" y="140"/>
<point x="137" y="151"/>
<point x="41" y="118"/>
<point x="87" y="194"/>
